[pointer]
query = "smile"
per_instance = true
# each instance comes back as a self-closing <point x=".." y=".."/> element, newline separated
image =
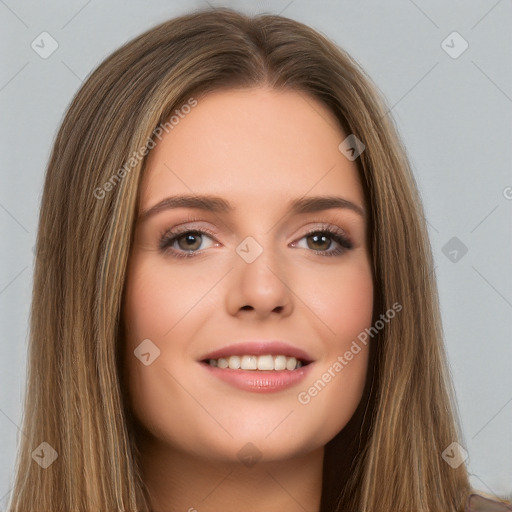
<point x="265" y="362"/>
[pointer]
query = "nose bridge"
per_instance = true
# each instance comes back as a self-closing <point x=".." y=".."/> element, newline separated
<point x="260" y="256"/>
<point x="261" y="231"/>
<point x="260" y="278"/>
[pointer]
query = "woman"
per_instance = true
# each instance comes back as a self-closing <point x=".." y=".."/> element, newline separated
<point x="218" y="317"/>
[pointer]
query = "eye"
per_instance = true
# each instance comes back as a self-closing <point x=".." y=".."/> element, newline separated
<point x="188" y="242"/>
<point x="320" y="240"/>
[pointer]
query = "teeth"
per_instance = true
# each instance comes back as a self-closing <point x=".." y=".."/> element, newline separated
<point x="280" y="363"/>
<point x="266" y="362"/>
<point x="249" y="363"/>
<point x="234" y="362"/>
<point x="291" y="363"/>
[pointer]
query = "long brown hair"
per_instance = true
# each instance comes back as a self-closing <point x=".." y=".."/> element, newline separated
<point x="389" y="456"/>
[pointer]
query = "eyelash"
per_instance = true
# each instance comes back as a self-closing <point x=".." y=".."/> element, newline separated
<point x="336" y="234"/>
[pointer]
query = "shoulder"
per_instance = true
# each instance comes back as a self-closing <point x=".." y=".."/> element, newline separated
<point x="482" y="502"/>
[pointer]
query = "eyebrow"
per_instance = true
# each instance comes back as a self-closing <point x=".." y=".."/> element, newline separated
<point x="217" y="204"/>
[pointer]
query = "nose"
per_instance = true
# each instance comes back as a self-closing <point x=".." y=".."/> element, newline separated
<point x="259" y="287"/>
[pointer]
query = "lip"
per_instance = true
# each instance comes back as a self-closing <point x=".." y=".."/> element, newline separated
<point x="259" y="381"/>
<point x="260" y="348"/>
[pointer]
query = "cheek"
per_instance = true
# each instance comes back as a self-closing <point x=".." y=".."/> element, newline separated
<point x="345" y="307"/>
<point x="156" y="303"/>
<point x="351" y="302"/>
<point x="158" y="297"/>
<point x="344" y="302"/>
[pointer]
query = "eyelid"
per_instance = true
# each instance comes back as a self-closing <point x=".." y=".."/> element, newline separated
<point x="327" y="226"/>
<point x="337" y="234"/>
<point x="183" y="227"/>
<point x="192" y="218"/>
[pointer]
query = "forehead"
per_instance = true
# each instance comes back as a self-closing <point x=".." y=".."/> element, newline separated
<point x="254" y="147"/>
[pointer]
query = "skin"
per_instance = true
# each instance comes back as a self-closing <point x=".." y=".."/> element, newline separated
<point x="257" y="148"/>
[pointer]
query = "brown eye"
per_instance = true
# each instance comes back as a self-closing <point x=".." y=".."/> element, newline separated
<point x="319" y="242"/>
<point x="189" y="241"/>
<point x="322" y="240"/>
<point x="184" y="243"/>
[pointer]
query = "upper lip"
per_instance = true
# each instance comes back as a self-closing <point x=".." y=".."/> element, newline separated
<point x="259" y="348"/>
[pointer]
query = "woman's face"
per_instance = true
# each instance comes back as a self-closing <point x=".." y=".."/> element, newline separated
<point x="248" y="280"/>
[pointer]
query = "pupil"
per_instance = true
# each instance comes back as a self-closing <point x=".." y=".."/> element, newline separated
<point x="317" y="237"/>
<point x="190" y="240"/>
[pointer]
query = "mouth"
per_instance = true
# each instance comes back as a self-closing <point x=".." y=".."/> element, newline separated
<point x="258" y="355"/>
<point x="262" y="366"/>
<point x="266" y="362"/>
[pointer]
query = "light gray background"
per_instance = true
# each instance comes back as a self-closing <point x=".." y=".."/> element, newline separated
<point x="453" y="114"/>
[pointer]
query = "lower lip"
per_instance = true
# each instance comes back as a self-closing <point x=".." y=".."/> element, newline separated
<point x="260" y="381"/>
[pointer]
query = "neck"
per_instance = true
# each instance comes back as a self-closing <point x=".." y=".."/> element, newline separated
<point x="179" y="481"/>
